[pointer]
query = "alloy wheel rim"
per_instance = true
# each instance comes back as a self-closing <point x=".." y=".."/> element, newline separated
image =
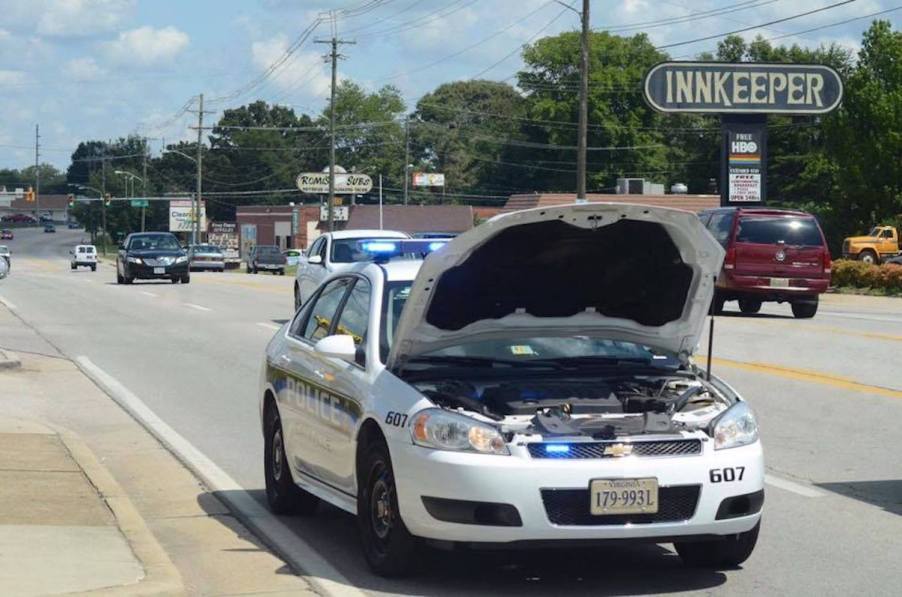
<point x="381" y="509"/>
<point x="277" y="455"/>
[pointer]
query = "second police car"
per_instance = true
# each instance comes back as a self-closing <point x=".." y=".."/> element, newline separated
<point x="529" y="383"/>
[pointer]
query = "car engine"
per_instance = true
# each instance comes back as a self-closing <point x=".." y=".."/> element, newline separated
<point x="601" y="408"/>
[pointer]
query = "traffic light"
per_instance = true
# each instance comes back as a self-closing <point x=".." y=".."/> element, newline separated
<point x="107" y="199"/>
<point x="71" y="201"/>
<point x="29" y="195"/>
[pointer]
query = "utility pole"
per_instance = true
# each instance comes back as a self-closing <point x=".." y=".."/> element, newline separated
<point x="37" y="172"/>
<point x="200" y="158"/>
<point x="334" y="55"/>
<point x="103" y="202"/>
<point x="406" y="156"/>
<point x="144" y="184"/>
<point x="583" y="104"/>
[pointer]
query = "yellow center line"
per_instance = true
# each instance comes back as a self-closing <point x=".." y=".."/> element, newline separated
<point x="806" y="375"/>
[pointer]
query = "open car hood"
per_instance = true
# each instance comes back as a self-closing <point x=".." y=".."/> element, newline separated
<point x="608" y="270"/>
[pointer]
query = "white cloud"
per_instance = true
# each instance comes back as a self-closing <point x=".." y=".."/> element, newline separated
<point x="83" y="69"/>
<point x="12" y="78"/>
<point x="147" y="46"/>
<point x="305" y="72"/>
<point x="82" y="18"/>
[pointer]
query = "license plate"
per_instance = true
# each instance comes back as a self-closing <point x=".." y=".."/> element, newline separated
<point x="779" y="282"/>
<point x="623" y="496"/>
<point x="159" y="270"/>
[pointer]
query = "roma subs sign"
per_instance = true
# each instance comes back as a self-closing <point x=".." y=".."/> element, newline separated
<point x="317" y="183"/>
<point x="742" y="88"/>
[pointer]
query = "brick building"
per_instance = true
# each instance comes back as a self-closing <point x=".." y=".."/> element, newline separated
<point x="693" y="203"/>
<point x="56" y="206"/>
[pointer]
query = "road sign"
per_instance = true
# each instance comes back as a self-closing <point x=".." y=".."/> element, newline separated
<point x="428" y="179"/>
<point x="742" y="88"/>
<point x="140" y="203"/>
<point x="317" y="183"/>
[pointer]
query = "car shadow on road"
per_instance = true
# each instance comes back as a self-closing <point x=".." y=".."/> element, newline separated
<point x="738" y="315"/>
<point x="621" y="568"/>
<point x="885" y="494"/>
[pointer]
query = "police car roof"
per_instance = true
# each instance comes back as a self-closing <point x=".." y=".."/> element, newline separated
<point x="397" y="270"/>
<point x="340" y="234"/>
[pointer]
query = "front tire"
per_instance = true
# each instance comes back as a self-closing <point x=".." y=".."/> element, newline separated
<point x="186" y="279"/>
<point x="868" y="256"/>
<point x="388" y="546"/>
<point x="282" y="495"/>
<point x="727" y="552"/>
<point x="717" y="304"/>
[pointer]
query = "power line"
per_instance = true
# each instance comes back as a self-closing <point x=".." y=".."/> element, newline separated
<point x="759" y="26"/>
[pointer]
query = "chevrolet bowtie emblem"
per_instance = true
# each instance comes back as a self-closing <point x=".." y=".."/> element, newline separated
<point x="618" y="450"/>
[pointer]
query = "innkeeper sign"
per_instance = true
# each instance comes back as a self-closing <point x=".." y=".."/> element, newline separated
<point x="743" y="94"/>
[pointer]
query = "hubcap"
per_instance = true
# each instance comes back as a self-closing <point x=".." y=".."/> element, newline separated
<point x="277" y="455"/>
<point x="381" y="509"/>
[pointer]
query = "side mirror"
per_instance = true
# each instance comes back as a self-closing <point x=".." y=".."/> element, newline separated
<point x="315" y="259"/>
<point x="340" y="346"/>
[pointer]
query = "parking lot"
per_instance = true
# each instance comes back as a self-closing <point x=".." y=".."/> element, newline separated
<point x="827" y="392"/>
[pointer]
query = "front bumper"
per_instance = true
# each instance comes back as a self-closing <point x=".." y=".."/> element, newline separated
<point x="519" y="480"/>
<point x="147" y="272"/>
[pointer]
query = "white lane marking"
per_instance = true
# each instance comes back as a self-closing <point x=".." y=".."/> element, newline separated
<point x="8" y="304"/>
<point x="289" y="545"/>
<point x="269" y="326"/>
<point x="198" y="307"/>
<point x="145" y="293"/>
<point x="860" y="317"/>
<point x="792" y="486"/>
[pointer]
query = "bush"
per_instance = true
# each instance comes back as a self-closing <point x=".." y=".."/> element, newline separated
<point x="861" y="275"/>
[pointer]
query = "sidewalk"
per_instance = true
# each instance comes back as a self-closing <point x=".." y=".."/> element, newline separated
<point x="90" y="503"/>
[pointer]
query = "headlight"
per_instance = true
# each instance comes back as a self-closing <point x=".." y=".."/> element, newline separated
<point x="439" y="429"/>
<point x="135" y="260"/>
<point x="736" y="427"/>
<point x="181" y="259"/>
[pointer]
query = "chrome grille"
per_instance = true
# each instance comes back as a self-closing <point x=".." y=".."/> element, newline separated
<point x="570" y="507"/>
<point x="583" y="450"/>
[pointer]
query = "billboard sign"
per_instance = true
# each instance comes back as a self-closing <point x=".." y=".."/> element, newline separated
<point x="346" y="183"/>
<point x="742" y="88"/>
<point x="428" y="179"/>
<point x="181" y="216"/>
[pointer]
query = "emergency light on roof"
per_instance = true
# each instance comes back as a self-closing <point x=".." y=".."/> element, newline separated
<point x="386" y="249"/>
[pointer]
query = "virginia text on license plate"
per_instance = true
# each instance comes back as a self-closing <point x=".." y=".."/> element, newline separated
<point x="623" y="496"/>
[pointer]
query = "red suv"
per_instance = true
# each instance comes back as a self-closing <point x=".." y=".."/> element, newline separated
<point x="772" y="255"/>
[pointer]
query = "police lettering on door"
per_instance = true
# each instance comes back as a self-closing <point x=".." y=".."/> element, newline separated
<point x="339" y="412"/>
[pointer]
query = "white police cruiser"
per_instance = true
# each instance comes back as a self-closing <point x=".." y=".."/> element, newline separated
<point x="529" y="383"/>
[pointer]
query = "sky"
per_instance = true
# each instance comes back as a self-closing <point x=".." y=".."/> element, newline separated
<point x="102" y="69"/>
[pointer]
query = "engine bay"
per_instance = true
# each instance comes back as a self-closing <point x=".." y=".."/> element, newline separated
<point x="597" y="407"/>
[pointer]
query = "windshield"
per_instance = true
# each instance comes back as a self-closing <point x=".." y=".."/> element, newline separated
<point x="770" y="231"/>
<point x="268" y="250"/>
<point x="396" y="295"/>
<point x="156" y="242"/>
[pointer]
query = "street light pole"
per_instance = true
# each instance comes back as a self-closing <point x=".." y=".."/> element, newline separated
<point x="583" y="105"/>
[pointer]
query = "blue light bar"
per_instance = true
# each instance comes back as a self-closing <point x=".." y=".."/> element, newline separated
<point x="377" y="246"/>
<point x="557" y="449"/>
<point x="436" y="245"/>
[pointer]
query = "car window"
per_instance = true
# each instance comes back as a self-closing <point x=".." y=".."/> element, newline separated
<point x="772" y="230"/>
<point x="322" y="250"/>
<point x="720" y="225"/>
<point x="887" y="234"/>
<point x="89" y="249"/>
<point x="162" y="242"/>
<point x="396" y="295"/>
<point x="323" y="312"/>
<point x="314" y="248"/>
<point x="82" y="250"/>
<point x="355" y="315"/>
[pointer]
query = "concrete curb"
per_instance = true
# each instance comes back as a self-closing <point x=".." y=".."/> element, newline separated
<point x="161" y="576"/>
<point x="9" y="360"/>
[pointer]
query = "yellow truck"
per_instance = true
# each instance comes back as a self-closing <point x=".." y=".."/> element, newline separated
<point x="882" y="242"/>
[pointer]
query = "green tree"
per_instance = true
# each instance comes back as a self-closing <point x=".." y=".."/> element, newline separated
<point x="618" y="116"/>
<point x="462" y="129"/>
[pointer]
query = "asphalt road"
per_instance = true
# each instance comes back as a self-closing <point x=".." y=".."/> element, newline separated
<point x="827" y="391"/>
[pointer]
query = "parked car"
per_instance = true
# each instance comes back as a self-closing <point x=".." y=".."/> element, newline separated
<point x="19" y="219"/>
<point x="292" y="256"/>
<point x="513" y="392"/>
<point x="331" y="253"/>
<point x="6" y="255"/>
<point x="267" y="258"/>
<point x="771" y="255"/>
<point x="152" y="255"/>
<point x="49" y="228"/>
<point x="206" y="257"/>
<point x="6" y="234"/>
<point x="73" y="226"/>
<point x="83" y="256"/>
